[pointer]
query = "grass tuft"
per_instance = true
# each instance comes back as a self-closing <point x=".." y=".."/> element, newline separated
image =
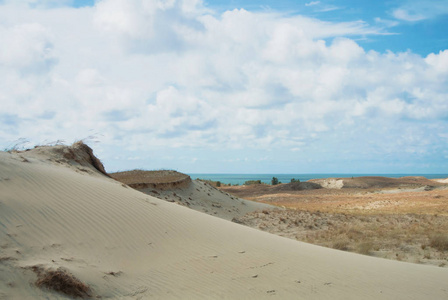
<point x="63" y="282"/>
<point x="439" y="242"/>
<point x="341" y="245"/>
<point x="365" y="248"/>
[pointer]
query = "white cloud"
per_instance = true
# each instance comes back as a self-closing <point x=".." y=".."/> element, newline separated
<point x="385" y="22"/>
<point x="405" y="15"/>
<point x="167" y="74"/>
<point x="328" y="8"/>
<point x="321" y="7"/>
<point x="26" y="47"/>
<point x="438" y="61"/>
<point x="38" y="3"/>
<point x="312" y="3"/>
<point x="418" y="10"/>
<point x="89" y="78"/>
<point x="149" y="25"/>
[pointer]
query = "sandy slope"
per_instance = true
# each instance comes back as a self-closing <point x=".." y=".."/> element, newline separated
<point x="199" y="195"/>
<point x="125" y="244"/>
<point x="203" y="197"/>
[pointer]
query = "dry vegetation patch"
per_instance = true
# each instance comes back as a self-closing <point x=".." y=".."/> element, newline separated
<point x="406" y="222"/>
<point x="409" y="237"/>
<point x="353" y="201"/>
<point x="440" y="242"/>
<point x="61" y="281"/>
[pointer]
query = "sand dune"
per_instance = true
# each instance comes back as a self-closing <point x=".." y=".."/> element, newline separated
<point x="367" y="182"/>
<point x="199" y="195"/>
<point x="442" y="180"/>
<point x="57" y="211"/>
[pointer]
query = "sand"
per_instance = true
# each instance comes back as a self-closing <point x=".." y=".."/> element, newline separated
<point x="56" y="213"/>
<point x="378" y="182"/>
<point x="444" y="180"/>
<point x="199" y="195"/>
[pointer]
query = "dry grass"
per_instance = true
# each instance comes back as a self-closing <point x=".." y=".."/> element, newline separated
<point x="365" y="248"/>
<point x="400" y="200"/>
<point x="406" y="237"/>
<point x="81" y="147"/>
<point x="7" y="258"/>
<point x="341" y="245"/>
<point x="439" y="242"/>
<point x="62" y="281"/>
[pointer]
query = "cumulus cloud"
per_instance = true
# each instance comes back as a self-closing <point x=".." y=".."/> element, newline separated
<point x="438" y="61"/>
<point x="149" y="26"/>
<point x="26" y="47"/>
<point x="173" y="74"/>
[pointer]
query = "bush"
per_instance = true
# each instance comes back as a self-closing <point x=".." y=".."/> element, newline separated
<point x="439" y="242"/>
<point x="218" y="183"/>
<point x="294" y="180"/>
<point x="250" y="182"/>
<point x="341" y="245"/>
<point x="274" y="181"/>
<point x="365" y="248"/>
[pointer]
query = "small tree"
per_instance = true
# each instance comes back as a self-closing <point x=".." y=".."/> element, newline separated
<point x="294" y="180"/>
<point x="274" y="181"/>
<point x="218" y="183"/>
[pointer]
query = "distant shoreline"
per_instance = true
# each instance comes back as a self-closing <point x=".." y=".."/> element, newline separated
<point x="285" y="178"/>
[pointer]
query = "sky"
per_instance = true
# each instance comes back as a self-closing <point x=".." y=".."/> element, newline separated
<point x="286" y="86"/>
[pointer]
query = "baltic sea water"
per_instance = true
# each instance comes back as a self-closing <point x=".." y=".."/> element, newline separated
<point x="285" y="178"/>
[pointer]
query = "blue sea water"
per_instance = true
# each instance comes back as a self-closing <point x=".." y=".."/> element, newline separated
<point x="285" y="178"/>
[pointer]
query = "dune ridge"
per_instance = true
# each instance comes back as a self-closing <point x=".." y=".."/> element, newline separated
<point x="199" y="195"/>
<point x="161" y="180"/>
<point x="366" y="182"/>
<point x="121" y="243"/>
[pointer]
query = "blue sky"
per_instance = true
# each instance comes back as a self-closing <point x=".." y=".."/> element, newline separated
<point x="231" y="86"/>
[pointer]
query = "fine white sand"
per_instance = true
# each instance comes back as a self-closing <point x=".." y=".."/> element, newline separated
<point x="57" y="213"/>
<point x="203" y="197"/>
<point x="444" y="180"/>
